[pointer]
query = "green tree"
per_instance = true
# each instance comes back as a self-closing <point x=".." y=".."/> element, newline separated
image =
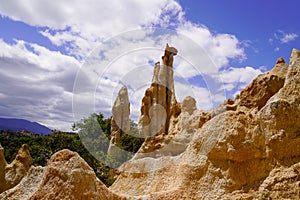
<point x="91" y="143"/>
<point x="131" y="141"/>
<point x="94" y="132"/>
<point x="41" y="148"/>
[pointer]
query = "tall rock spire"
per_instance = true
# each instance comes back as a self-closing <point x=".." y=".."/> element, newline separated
<point x="159" y="102"/>
<point x="120" y="119"/>
<point x="120" y="122"/>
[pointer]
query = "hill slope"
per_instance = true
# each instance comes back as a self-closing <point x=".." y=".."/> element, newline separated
<point x="22" y="124"/>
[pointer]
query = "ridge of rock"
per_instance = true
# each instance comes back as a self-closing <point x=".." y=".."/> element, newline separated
<point x="248" y="148"/>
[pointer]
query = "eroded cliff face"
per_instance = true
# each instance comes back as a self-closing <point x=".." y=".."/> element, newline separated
<point x="247" y="148"/>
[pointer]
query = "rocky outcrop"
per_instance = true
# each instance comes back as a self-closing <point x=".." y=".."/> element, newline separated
<point x="282" y="183"/>
<point x="180" y="132"/>
<point x="2" y="170"/>
<point x="280" y="117"/>
<point x="168" y="56"/>
<point x="256" y="95"/>
<point x="248" y="148"/>
<point x="120" y="122"/>
<point x="28" y="185"/>
<point x="12" y="174"/>
<point x="159" y="105"/>
<point x="66" y="176"/>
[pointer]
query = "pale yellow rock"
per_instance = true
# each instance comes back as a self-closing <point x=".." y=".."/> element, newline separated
<point x="68" y="176"/>
<point x="189" y="105"/>
<point x="168" y="56"/>
<point x="16" y="170"/>
<point x="249" y="151"/>
<point x="159" y="106"/>
<point x="282" y="183"/>
<point x="27" y="187"/>
<point x="120" y="115"/>
<point x="280" y="117"/>
<point x="295" y="57"/>
<point x="120" y="125"/>
<point x="262" y="88"/>
<point x="2" y="170"/>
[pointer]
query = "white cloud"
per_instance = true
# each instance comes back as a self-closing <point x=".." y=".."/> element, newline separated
<point x="36" y="86"/>
<point x="94" y="16"/>
<point x="220" y="48"/>
<point x="86" y="24"/>
<point x="59" y="38"/>
<point x="203" y="96"/>
<point x="263" y="68"/>
<point x="288" y="37"/>
<point x="227" y="86"/>
<point x="121" y="56"/>
<point x="235" y="79"/>
<point x="285" y="37"/>
<point x="243" y="75"/>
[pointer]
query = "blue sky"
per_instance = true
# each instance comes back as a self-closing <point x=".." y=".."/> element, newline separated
<point x="45" y="45"/>
<point x="255" y="21"/>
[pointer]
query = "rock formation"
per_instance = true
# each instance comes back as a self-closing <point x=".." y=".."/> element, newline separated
<point x="159" y="105"/>
<point x="27" y="186"/>
<point x="120" y="122"/>
<point x="256" y="95"/>
<point x="2" y="170"/>
<point x="66" y="176"/>
<point x="168" y="56"/>
<point x="120" y="116"/>
<point x="11" y="174"/>
<point x="247" y="148"/>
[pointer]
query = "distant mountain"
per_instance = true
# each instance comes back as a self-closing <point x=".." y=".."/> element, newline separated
<point x="22" y="124"/>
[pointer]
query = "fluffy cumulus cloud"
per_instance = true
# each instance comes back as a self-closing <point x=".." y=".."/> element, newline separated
<point x="84" y="24"/>
<point x="203" y="97"/>
<point x="106" y="45"/>
<point x="219" y="47"/>
<point x="235" y="79"/>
